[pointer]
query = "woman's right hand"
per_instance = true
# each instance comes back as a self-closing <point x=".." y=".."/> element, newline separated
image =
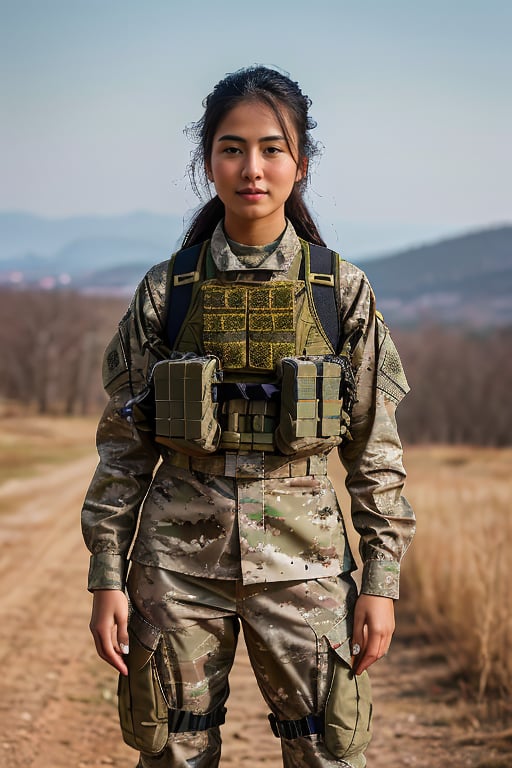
<point x="109" y="626"/>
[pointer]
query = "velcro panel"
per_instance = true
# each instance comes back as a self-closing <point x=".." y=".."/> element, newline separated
<point x="225" y="323"/>
<point x="271" y="324"/>
<point x="249" y="326"/>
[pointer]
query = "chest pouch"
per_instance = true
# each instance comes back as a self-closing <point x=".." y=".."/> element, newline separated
<point x="316" y="399"/>
<point x="186" y="404"/>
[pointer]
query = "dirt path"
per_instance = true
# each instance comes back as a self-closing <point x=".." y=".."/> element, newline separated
<point x="57" y="707"/>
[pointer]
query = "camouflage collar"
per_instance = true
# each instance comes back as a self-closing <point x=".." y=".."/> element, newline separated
<point x="279" y="260"/>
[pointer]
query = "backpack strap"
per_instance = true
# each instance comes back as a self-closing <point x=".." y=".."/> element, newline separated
<point x="183" y="277"/>
<point x="323" y="277"/>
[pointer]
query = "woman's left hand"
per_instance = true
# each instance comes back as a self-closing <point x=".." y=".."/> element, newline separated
<point x="374" y="624"/>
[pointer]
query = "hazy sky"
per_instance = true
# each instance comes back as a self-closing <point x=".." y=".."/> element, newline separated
<point x="412" y="101"/>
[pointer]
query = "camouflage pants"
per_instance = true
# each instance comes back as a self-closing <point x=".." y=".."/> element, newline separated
<point x="296" y="634"/>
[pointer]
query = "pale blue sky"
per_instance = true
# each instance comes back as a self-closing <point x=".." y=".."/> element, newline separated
<point x="412" y="101"/>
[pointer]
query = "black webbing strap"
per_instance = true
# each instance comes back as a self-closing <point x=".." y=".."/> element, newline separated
<point x="243" y="391"/>
<point x="181" y="721"/>
<point x="322" y="261"/>
<point x="292" y="729"/>
<point x="180" y="294"/>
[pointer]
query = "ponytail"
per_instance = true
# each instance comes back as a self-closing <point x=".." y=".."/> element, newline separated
<point x="204" y="222"/>
<point x="297" y="211"/>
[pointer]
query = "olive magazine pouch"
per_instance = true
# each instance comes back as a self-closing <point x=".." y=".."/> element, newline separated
<point x="311" y="415"/>
<point x="186" y="404"/>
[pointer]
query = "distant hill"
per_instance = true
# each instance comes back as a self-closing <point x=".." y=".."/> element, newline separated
<point x="35" y="244"/>
<point x="465" y="279"/>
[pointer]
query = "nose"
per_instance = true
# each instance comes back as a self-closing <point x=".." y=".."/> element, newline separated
<point x="252" y="167"/>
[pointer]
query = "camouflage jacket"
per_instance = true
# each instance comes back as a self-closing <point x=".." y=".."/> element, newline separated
<point x="170" y="512"/>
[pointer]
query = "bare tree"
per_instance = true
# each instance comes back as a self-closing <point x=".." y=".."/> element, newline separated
<point x="460" y="383"/>
<point x="51" y="345"/>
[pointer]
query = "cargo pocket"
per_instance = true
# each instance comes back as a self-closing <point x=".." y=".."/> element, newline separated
<point x="348" y="707"/>
<point x="344" y="698"/>
<point x="143" y="709"/>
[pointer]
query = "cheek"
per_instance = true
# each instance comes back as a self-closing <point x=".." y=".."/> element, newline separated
<point x="220" y="170"/>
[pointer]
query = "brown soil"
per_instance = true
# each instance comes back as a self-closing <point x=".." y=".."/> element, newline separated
<point x="57" y="708"/>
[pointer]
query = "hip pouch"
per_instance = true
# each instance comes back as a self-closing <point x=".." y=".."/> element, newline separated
<point x="316" y="398"/>
<point x="186" y="404"/>
<point x="143" y="709"/>
<point x="348" y="708"/>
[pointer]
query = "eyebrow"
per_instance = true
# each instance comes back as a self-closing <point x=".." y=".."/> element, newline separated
<point x="230" y="137"/>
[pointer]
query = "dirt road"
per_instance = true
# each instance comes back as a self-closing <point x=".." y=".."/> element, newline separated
<point x="57" y="706"/>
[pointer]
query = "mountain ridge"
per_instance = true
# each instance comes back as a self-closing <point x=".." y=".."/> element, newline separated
<point x="462" y="280"/>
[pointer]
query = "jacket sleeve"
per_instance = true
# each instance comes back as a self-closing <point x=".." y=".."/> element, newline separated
<point x="373" y="458"/>
<point x="127" y="452"/>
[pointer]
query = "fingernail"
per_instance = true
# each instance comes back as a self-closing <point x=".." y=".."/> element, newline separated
<point x="124" y="649"/>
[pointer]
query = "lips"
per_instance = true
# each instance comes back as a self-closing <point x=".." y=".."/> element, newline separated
<point x="254" y="192"/>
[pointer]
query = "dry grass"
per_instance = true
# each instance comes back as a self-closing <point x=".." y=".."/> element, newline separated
<point x="30" y="445"/>
<point x="457" y="577"/>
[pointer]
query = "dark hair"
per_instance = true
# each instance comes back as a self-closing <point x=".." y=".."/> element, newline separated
<point x="285" y="99"/>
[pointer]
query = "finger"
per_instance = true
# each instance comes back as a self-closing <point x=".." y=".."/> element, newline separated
<point x="368" y="656"/>
<point x="119" y="630"/>
<point x="359" y="643"/>
<point x="107" y="651"/>
<point x="120" y="641"/>
<point x="374" y="651"/>
<point x="359" y="634"/>
<point x="122" y="634"/>
<point x="384" y="645"/>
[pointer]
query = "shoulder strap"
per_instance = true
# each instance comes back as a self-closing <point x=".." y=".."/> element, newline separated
<point x="323" y="277"/>
<point x="184" y="275"/>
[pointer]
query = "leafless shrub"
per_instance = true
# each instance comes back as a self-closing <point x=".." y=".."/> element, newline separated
<point x="51" y="346"/>
<point x="460" y="384"/>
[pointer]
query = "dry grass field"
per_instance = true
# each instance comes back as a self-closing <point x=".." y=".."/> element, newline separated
<point x="456" y="577"/>
<point x="458" y="574"/>
<point x="441" y="697"/>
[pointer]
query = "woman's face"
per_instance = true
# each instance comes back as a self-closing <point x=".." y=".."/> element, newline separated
<point x="254" y="171"/>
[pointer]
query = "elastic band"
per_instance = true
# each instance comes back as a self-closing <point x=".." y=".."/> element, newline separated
<point x="292" y="729"/>
<point x="180" y="720"/>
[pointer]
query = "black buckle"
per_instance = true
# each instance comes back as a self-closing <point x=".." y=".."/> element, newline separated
<point x="292" y="729"/>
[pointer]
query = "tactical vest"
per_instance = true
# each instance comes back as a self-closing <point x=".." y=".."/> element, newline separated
<point x="253" y="367"/>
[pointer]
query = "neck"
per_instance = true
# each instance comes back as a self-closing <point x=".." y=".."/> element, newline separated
<point x="254" y="232"/>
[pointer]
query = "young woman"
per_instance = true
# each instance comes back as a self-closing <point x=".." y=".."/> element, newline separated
<point x="240" y="364"/>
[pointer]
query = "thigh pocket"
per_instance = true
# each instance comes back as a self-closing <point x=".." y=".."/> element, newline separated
<point x="348" y="707"/>
<point x="143" y="709"/>
<point x="344" y="697"/>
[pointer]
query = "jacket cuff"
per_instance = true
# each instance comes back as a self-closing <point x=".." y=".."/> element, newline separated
<point x="381" y="578"/>
<point x="107" y="571"/>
